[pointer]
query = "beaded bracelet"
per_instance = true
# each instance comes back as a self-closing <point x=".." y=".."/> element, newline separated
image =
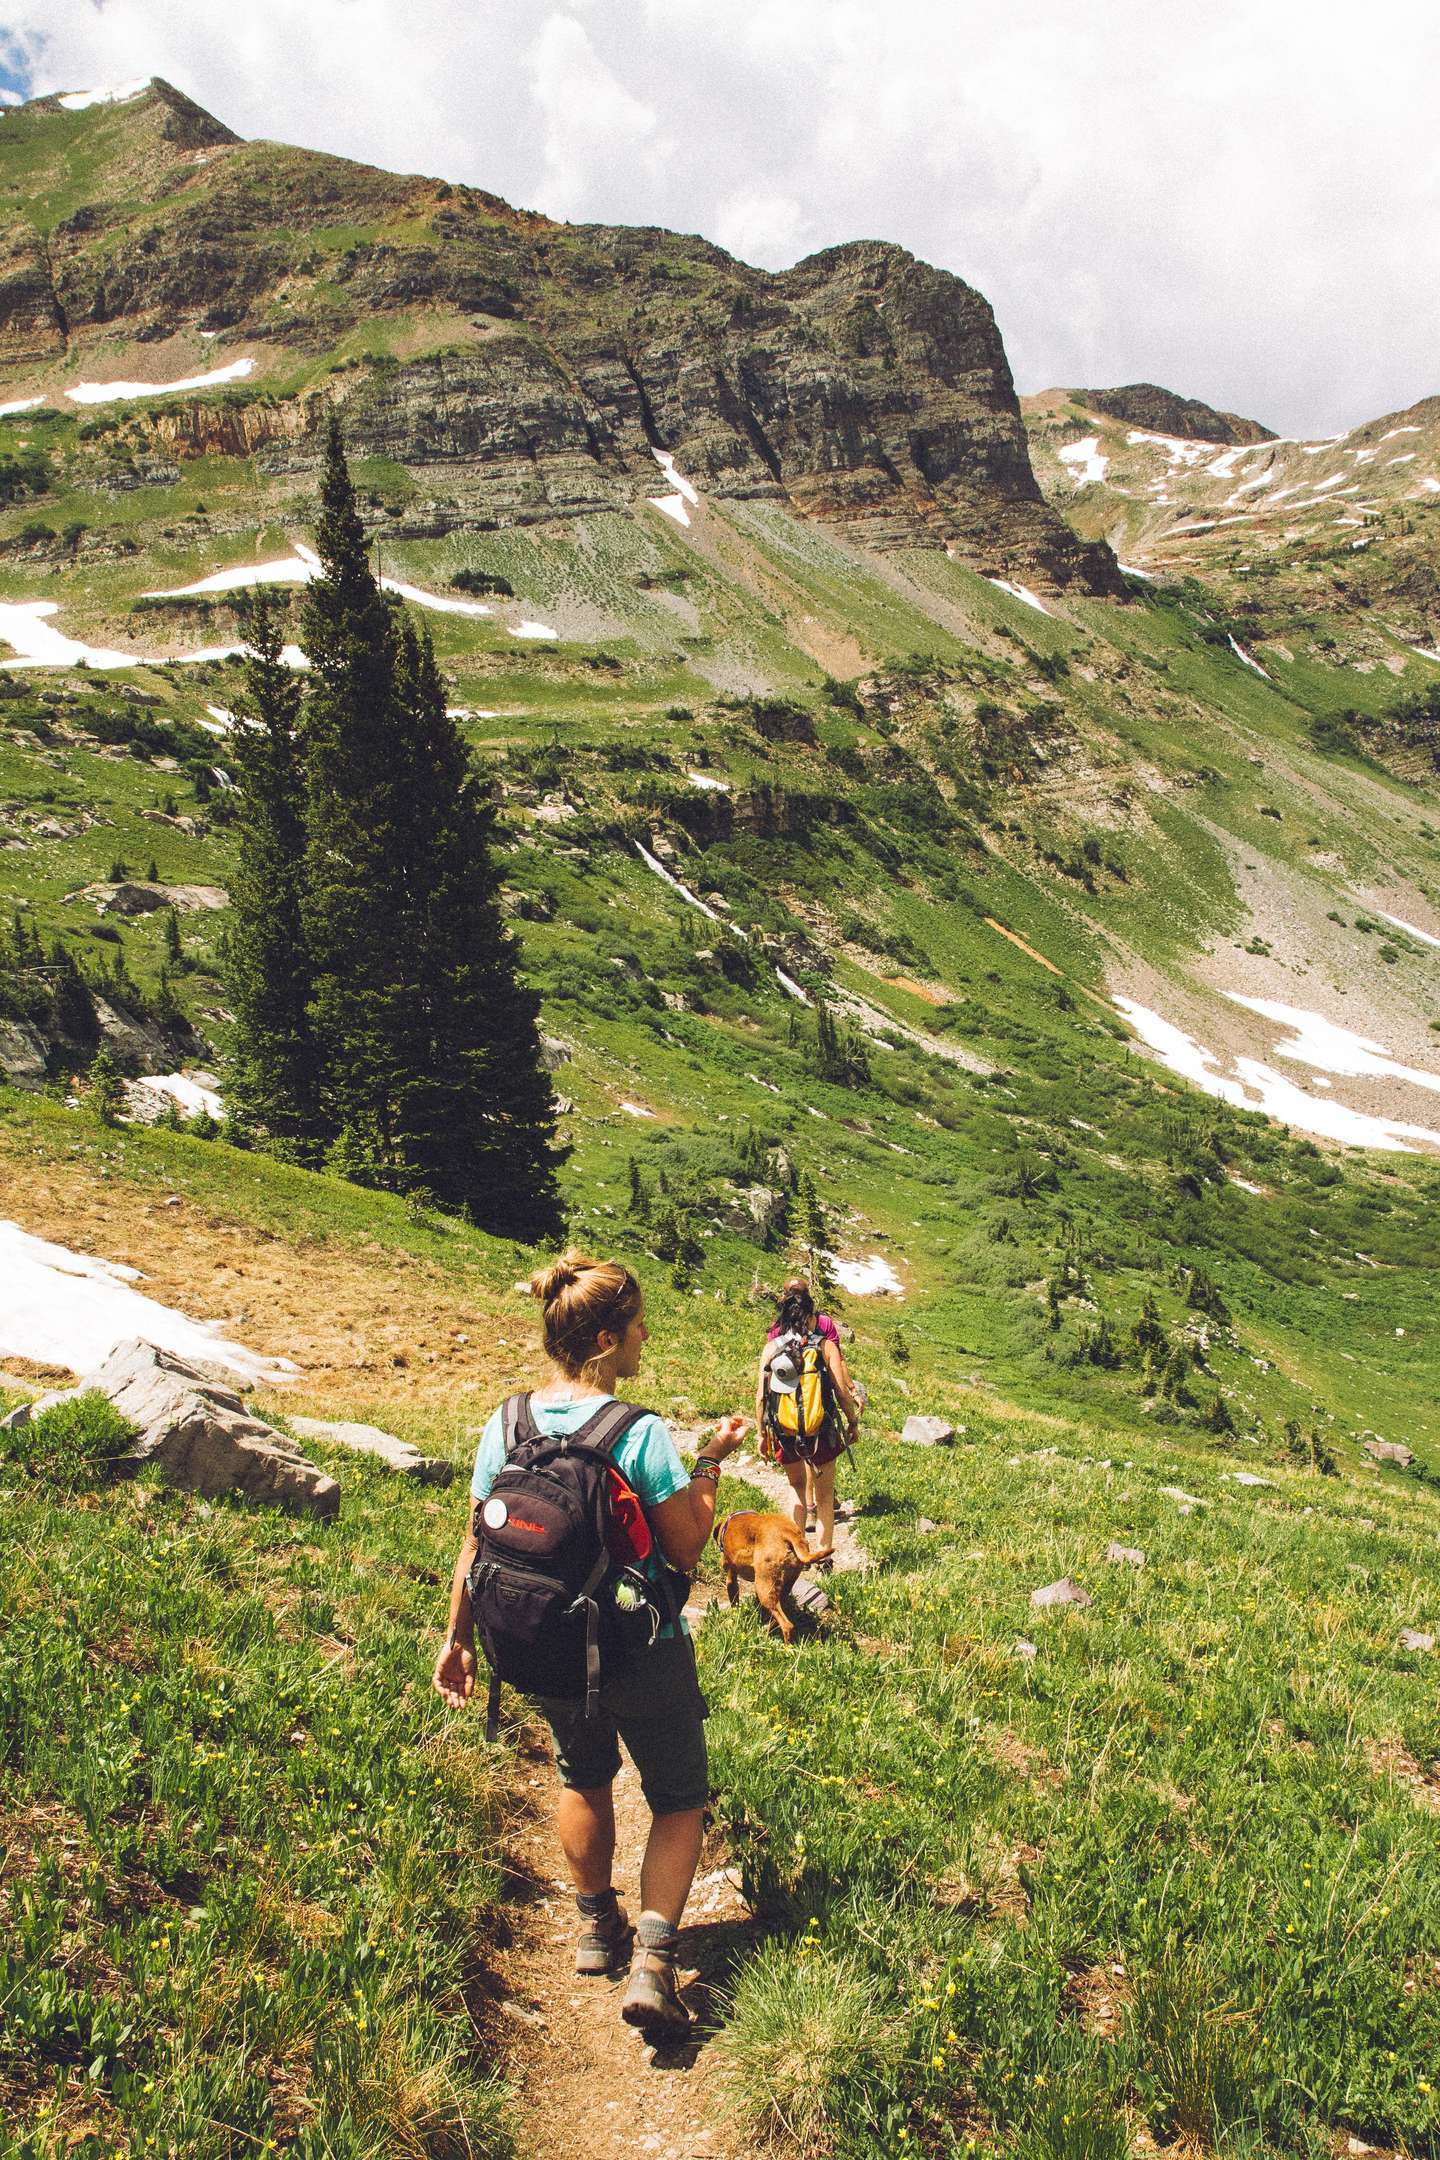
<point x="706" y="1467"/>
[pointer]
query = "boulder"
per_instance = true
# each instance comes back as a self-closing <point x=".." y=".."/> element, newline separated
<point x="1065" y="1592"/>
<point x="1024" y="1649"/>
<point x="920" y="1431"/>
<point x="22" y="1055"/>
<point x="195" y="1430"/>
<point x="382" y="1447"/>
<point x="1416" y="1639"/>
<point x="1125" y="1555"/>
<point x="1390" y="1451"/>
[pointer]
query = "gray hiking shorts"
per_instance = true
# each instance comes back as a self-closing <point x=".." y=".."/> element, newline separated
<point x="655" y="1706"/>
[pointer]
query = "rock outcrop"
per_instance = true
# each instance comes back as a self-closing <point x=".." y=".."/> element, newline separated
<point x="1162" y="412"/>
<point x="381" y="1447"/>
<point x="862" y="387"/>
<point x="195" y="1430"/>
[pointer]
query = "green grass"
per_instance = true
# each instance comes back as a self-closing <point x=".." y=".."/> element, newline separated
<point x="246" y="1870"/>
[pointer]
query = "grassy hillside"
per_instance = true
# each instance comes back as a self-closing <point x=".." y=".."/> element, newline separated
<point x="1159" y="1870"/>
<point x="1173" y="1870"/>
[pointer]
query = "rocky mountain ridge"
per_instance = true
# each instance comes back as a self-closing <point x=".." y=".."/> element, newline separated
<point x="528" y="370"/>
<point x="1165" y="412"/>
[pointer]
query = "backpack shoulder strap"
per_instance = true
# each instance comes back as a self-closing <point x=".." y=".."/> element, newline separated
<point x="608" y="1426"/>
<point x="517" y="1426"/>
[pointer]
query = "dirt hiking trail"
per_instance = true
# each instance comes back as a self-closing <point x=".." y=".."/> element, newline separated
<point x="584" y="2081"/>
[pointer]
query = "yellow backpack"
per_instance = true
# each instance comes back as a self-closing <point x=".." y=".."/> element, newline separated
<point x="799" y="1393"/>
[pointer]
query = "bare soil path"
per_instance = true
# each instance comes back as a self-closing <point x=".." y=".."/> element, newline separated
<point x="585" y="2082"/>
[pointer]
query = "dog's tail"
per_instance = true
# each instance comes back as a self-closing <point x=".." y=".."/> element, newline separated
<point x="811" y="1557"/>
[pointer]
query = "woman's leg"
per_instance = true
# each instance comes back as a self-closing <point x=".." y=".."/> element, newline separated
<point x="796" y="1474"/>
<point x="825" y="1504"/>
<point x="586" y="1822"/>
<point x="672" y="1854"/>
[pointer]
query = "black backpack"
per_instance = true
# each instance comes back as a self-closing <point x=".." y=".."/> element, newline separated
<point x="557" y="1593"/>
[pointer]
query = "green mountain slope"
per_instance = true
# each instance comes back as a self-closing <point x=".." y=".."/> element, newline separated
<point x="874" y="732"/>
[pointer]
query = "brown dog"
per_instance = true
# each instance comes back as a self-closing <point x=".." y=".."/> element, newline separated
<point x="769" y="1551"/>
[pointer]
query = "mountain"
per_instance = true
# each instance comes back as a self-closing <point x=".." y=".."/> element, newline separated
<point x="1072" y="951"/>
<point x="1346" y="527"/>
<point x="526" y="370"/>
<point x="1146" y="405"/>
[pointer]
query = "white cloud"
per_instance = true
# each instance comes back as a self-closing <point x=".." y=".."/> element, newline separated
<point x="1239" y="201"/>
<point x="762" y="227"/>
<point x="593" y="126"/>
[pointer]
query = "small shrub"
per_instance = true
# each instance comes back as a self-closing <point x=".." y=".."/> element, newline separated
<point x="71" y="1445"/>
<point x="1195" y="2045"/>
<point x="805" y="2040"/>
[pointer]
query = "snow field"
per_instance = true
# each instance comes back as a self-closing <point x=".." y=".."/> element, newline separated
<point x="867" y="1278"/>
<point x="1399" y="921"/>
<point x="82" y="100"/>
<point x="1088" y="468"/>
<point x="110" y="392"/>
<point x="1253" y="1085"/>
<point x="1241" y="654"/>
<point x="19" y="405"/>
<point x="67" y="1308"/>
<point x="1019" y="592"/>
<point x="685" y="498"/>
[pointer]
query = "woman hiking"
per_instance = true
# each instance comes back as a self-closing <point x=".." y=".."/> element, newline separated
<point x="595" y="1333"/>
<point x="807" y="1442"/>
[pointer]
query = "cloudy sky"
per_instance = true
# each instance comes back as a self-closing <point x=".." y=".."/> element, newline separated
<point x="1237" y="198"/>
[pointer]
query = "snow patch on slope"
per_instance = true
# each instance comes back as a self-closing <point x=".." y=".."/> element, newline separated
<point x="1019" y="592"/>
<point x="82" y="100"/>
<point x="1088" y="468"/>
<point x="1253" y="1085"/>
<point x="107" y="393"/>
<point x="685" y="498"/>
<point x="67" y="1308"/>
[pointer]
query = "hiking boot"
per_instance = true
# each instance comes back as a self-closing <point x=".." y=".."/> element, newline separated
<point x="652" y="1999"/>
<point x="605" y="1944"/>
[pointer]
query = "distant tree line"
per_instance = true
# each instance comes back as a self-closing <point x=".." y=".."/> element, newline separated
<point x="380" y="1023"/>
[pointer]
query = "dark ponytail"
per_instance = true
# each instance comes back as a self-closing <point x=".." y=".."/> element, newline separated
<point x="797" y="1307"/>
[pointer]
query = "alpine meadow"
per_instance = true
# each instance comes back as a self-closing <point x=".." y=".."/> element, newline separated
<point x="516" y="733"/>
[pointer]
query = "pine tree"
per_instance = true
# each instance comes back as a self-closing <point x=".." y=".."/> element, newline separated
<point x="813" y="1238"/>
<point x="475" y="1119"/>
<point x="174" y="949"/>
<point x="355" y="906"/>
<point x="107" y="1089"/>
<point x="275" y="1073"/>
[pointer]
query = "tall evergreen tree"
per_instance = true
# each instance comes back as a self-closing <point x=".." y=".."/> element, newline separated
<point x="477" y="1116"/>
<point x="430" y="1040"/>
<point x="275" y="1068"/>
<point x="356" y="910"/>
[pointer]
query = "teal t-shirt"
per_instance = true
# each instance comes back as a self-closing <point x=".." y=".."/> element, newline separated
<point x="647" y="1456"/>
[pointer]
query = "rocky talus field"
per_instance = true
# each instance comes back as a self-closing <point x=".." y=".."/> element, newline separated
<point x="987" y="843"/>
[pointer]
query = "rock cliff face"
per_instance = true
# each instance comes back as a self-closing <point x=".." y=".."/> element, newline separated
<point x="863" y="386"/>
<point x="1163" y="412"/>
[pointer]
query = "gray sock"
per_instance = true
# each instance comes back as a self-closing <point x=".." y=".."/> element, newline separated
<point x="596" y="1904"/>
<point x="657" y="1933"/>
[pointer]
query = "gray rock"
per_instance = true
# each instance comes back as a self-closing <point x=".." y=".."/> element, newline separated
<point x="1188" y="1500"/>
<point x="195" y="1430"/>
<point x="1416" y="1639"/>
<point x="927" y="1432"/>
<point x="1125" y="1555"/>
<point x="925" y="1527"/>
<point x="22" y="1054"/>
<point x="382" y="1447"/>
<point x="1065" y="1592"/>
<point x="1247" y="1477"/>
<point x="1390" y="1451"/>
<point x="1024" y="1649"/>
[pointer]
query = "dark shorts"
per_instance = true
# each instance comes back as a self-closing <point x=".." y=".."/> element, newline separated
<point x="655" y="1706"/>
<point x="828" y="1448"/>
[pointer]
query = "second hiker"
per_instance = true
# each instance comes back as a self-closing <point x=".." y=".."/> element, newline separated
<point x="806" y="1406"/>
